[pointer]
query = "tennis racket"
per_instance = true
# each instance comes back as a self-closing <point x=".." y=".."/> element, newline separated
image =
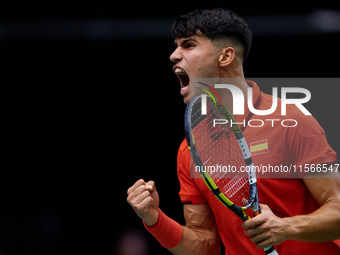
<point x="221" y="156"/>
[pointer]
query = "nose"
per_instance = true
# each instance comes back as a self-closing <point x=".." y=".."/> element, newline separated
<point x="176" y="56"/>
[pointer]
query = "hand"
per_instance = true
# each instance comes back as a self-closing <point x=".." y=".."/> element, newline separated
<point x="144" y="199"/>
<point x="266" y="229"/>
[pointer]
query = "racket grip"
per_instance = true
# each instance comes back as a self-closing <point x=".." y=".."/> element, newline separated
<point x="270" y="251"/>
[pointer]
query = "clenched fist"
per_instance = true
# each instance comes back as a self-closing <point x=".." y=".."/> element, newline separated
<point x="144" y="199"/>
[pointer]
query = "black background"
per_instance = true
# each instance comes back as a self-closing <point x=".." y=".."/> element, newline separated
<point x="82" y="120"/>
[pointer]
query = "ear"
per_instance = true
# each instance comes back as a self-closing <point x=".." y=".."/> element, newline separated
<point x="227" y="56"/>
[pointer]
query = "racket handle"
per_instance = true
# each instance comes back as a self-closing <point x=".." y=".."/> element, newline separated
<point x="270" y="251"/>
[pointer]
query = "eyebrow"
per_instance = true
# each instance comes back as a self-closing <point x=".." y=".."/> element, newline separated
<point x="184" y="41"/>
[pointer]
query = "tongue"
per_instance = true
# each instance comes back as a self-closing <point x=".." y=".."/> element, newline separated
<point x="185" y="80"/>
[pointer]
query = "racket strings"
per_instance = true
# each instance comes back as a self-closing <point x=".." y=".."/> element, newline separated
<point x="220" y="154"/>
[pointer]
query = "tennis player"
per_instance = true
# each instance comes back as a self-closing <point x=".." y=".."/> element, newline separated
<point x="299" y="215"/>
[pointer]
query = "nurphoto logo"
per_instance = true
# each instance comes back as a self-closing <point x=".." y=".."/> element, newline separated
<point x="238" y="104"/>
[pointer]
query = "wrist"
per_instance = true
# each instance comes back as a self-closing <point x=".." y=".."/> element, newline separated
<point x="167" y="231"/>
<point x="290" y="229"/>
<point x="153" y="220"/>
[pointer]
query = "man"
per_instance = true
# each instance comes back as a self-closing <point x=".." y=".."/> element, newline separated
<point x="299" y="215"/>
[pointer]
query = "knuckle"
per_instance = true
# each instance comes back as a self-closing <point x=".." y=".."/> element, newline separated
<point x="148" y="201"/>
<point x="146" y="193"/>
<point x="140" y="208"/>
<point x="129" y="191"/>
<point x="267" y="225"/>
<point x="151" y="183"/>
<point x="140" y="181"/>
<point x="129" y="199"/>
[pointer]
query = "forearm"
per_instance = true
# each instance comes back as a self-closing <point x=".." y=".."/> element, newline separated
<point x="199" y="236"/>
<point x="323" y="225"/>
<point x="189" y="239"/>
<point x="197" y="242"/>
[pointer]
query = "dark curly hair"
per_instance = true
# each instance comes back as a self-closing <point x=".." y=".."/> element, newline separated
<point x="214" y="24"/>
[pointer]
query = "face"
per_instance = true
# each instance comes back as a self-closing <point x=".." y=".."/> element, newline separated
<point x="194" y="57"/>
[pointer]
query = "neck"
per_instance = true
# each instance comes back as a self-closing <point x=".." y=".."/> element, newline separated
<point x="234" y="77"/>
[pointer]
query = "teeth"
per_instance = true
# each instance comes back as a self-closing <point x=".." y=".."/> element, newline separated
<point x="184" y="88"/>
<point x="180" y="71"/>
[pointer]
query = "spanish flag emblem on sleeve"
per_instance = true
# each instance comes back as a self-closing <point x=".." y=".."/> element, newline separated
<point x="259" y="147"/>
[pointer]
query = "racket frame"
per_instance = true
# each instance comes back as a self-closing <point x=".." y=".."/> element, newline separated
<point x="253" y="195"/>
<point x="253" y="198"/>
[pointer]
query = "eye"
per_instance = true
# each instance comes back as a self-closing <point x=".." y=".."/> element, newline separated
<point x="188" y="45"/>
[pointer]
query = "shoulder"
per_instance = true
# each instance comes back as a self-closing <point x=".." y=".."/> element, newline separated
<point x="183" y="147"/>
<point x="183" y="157"/>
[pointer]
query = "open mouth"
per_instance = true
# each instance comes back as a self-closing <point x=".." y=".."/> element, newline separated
<point x="184" y="80"/>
